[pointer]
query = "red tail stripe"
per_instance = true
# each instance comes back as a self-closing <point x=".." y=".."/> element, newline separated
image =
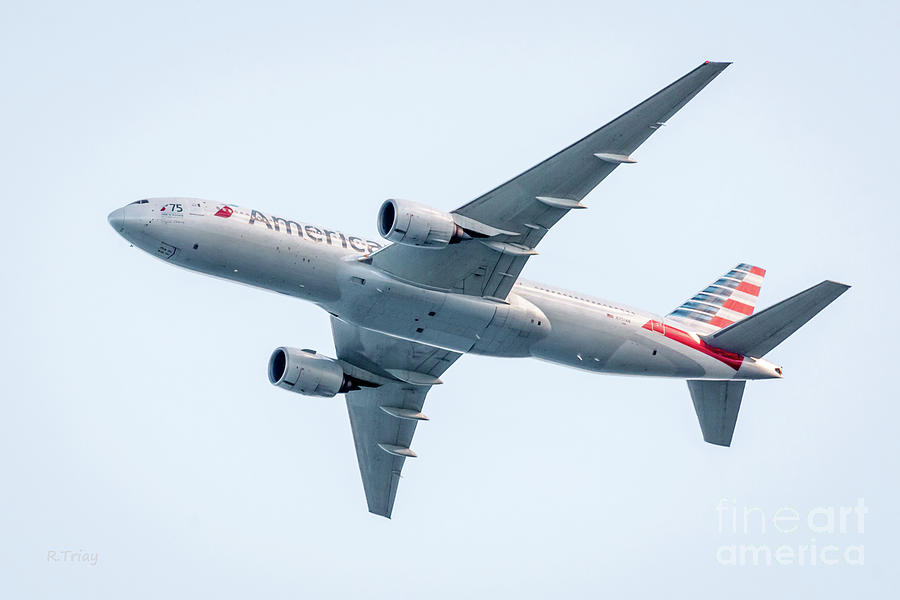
<point x="748" y="288"/>
<point x="720" y="322"/>
<point x="673" y="333"/>
<point x="736" y="306"/>
<point x="758" y="271"/>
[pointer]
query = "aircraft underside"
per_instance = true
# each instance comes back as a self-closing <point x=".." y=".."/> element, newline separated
<point x="449" y="283"/>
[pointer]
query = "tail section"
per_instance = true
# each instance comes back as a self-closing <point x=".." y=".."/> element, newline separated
<point x="729" y="299"/>
<point x="758" y="334"/>
<point x="717" y="402"/>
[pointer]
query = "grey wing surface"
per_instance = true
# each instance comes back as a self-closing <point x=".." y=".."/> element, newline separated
<point x="383" y="419"/>
<point x="525" y="207"/>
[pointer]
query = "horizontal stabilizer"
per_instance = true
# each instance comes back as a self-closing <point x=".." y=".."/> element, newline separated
<point x="717" y="404"/>
<point x="758" y="334"/>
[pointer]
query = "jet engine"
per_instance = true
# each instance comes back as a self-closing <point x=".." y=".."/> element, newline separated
<point x="414" y="224"/>
<point x="305" y="372"/>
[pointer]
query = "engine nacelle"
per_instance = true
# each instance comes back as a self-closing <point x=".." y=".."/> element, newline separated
<point x="308" y="373"/>
<point x="414" y="224"/>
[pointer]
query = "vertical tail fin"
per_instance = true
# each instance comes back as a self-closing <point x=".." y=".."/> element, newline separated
<point x="730" y="298"/>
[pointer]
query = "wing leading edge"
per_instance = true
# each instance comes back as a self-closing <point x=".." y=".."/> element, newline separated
<point x="531" y="203"/>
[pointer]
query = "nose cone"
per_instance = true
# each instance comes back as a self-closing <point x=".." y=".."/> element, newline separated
<point x="117" y="219"/>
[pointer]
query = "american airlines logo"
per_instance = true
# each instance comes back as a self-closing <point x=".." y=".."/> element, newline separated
<point x="313" y="233"/>
<point x="225" y="211"/>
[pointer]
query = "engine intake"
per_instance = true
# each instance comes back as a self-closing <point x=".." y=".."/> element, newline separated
<point x="413" y="224"/>
<point x="305" y="372"/>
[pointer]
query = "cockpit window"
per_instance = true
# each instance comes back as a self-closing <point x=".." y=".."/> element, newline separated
<point x="140" y="202"/>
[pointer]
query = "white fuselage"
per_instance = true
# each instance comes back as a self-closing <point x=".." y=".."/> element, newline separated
<point x="330" y="268"/>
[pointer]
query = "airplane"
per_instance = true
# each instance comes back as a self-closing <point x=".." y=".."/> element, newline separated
<point x="449" y="284"/>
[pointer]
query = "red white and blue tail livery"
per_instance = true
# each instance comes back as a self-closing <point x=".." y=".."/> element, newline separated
<point x="727" y="300"/>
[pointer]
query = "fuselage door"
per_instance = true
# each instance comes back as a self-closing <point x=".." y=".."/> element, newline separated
<point x="659" y="327"/>
<point x="196" y="208"/>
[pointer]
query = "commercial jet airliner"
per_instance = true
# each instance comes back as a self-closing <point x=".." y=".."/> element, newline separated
<point x="449" y="284"/>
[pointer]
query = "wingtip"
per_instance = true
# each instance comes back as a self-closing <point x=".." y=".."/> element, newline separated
<point x="844" y="286"/>
<point x="721" y="64"/>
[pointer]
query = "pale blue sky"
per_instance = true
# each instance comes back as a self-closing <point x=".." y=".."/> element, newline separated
<point x="138" y="423"/>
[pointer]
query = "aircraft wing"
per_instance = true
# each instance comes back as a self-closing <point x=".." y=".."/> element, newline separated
<point x="383" y="419"/>
<point x="525" y="207"/>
